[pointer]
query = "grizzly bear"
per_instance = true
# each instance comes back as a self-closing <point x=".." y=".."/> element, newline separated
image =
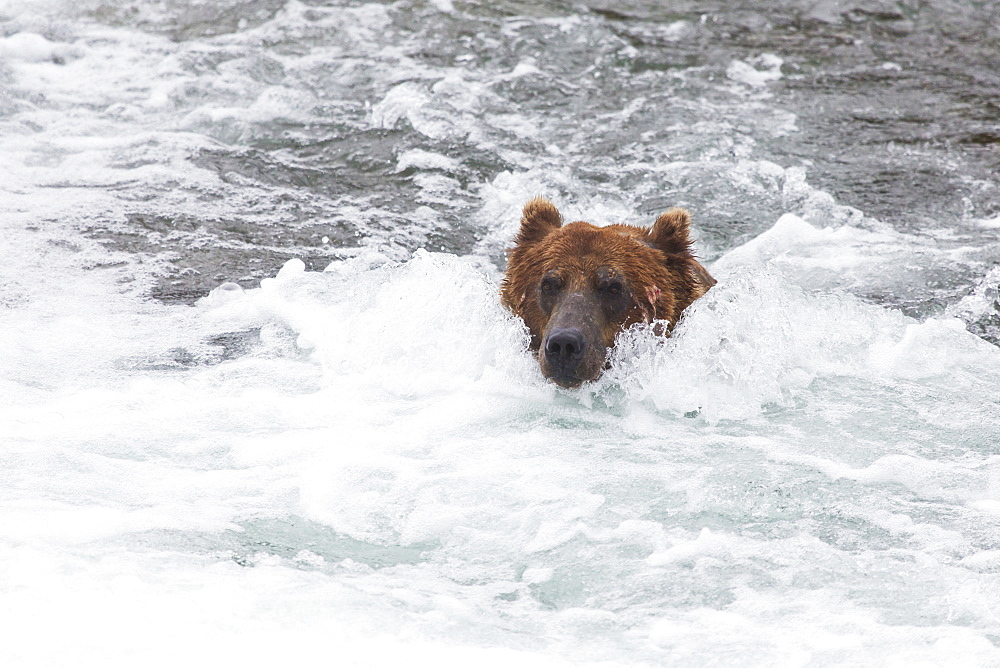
<point x="577" y="286"/>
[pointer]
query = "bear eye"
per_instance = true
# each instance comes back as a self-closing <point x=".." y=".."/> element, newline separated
<point x="612" y="288"/>
<point x="550" y="285"/>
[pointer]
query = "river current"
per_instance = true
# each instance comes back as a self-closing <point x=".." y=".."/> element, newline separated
<point x="259" y="401"/>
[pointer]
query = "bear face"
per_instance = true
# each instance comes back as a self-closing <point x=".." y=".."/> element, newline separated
<point x="577" y="286"/>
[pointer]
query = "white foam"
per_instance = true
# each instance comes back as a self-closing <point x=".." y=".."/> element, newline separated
<point x="378" y="322"/>
<point x="421" y="159"/>
<point x="136" y="607"/>
<point x="29" y="47"/>
<point x="981" y="302"/>
<point x="444" y="108"/>
<point x="740" y="347"/>
<point x="410" y="414"/>
<point x="404" y="100"/>
<point x="760" y="71"/>
<point x="858" y="258"/>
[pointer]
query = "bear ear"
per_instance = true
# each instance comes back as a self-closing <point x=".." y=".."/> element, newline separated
<point x="671" y="232"/>
<point x="538" y="219"/>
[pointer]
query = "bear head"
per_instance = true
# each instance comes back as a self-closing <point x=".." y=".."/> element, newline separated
<point x="577" y="286"/>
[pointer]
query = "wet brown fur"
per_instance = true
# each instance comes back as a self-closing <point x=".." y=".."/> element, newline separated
<point x="656" y="264"/>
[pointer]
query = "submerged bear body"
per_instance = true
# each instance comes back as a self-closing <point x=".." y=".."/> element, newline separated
<point x="577" y="286"/>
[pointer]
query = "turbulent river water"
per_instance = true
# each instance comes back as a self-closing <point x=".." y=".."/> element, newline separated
<point x="259" y="402"/>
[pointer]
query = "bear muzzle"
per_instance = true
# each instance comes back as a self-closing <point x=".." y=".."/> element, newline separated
<point x="572" y="350"/>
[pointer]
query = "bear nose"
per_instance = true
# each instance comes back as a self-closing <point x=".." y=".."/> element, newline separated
<point x="564" y="346"/>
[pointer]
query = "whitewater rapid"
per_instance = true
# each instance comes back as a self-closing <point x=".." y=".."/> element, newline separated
<point x="260" y="403"/>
